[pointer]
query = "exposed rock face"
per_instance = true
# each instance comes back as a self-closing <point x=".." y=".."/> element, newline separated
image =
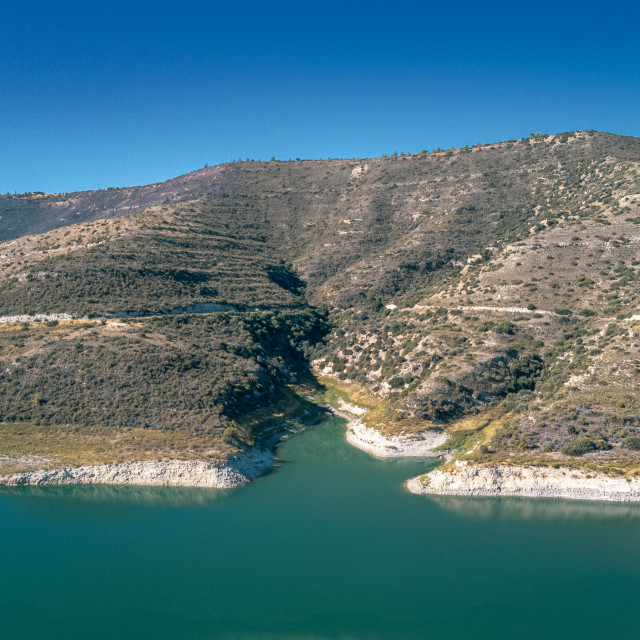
<point x="373" y="442"/>
<point x="237" y="471"/>
<point x="376" y="444"/>
<point x="37" y="317"/>
<point x="527" y="482"/>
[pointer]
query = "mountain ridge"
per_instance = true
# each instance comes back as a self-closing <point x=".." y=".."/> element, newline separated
<point x="42" y="210"/>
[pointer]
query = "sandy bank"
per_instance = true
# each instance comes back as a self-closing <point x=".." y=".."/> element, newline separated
<point x="529" y="482"/>
<point x="237" y="471"/>
<point x="373" y="442"/>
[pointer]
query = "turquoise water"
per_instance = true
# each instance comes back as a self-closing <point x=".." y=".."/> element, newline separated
<point x="328" y="546"/>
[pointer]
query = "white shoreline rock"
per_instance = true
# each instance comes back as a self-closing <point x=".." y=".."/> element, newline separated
<point x="373" y="442"/>
<point x="238" y="470"/>
<point x="527" y="482"/>
<point x="351" y="408"/>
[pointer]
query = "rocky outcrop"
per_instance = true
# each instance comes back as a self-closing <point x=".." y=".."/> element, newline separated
<point x="528" y="482"/>
<point x="373" y="442"/>
<point x="420" y="445"/>
<point x="237" y="470"/>
<point x="38" y="317"/>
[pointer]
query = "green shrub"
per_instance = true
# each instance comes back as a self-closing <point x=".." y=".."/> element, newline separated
<point x="505" y="327"/>
<point x="631" y="442"/>
<point x="230" y="435"/>
<point x="579" y="447"/>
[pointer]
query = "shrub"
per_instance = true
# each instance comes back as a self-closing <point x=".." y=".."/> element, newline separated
<point x="230" y="435"/>
<point x="579" y="447"/>
<point x="632" y="442"/>
<point x="505" y="327"/>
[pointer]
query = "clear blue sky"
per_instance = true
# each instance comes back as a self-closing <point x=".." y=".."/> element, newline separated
<point x="113" y="93"/>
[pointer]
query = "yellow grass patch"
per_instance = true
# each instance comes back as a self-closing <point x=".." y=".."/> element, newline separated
<point x="352" y="392"/>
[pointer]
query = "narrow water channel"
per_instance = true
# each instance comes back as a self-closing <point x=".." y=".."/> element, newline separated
<point x="328" y="546"/>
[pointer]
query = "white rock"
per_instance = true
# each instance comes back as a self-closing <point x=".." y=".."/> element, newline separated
<point x="237" y="470"/>
<point x="529" y="482"/>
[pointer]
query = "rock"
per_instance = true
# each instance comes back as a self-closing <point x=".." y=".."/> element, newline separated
<point x="529" y="482"/>
<point x="238" y="470"/>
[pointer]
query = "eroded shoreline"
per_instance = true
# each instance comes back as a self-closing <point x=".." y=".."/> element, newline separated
<point x="374" y="443"/>
<point x="236" y="471"/>
<point x="463" y="479"/>
<point x="466" y="479"/>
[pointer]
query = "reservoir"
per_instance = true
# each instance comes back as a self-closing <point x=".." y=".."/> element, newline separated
<point x="330" y="545"/>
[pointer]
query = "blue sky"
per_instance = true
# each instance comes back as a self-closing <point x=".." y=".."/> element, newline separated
<point x="120" y="93"/>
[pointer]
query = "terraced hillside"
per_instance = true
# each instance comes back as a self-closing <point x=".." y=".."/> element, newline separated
<point x="488" y="291"/>
<point x="161" y="335"/>
<point x="31" y="213"/>
<point x="165" y="258"/>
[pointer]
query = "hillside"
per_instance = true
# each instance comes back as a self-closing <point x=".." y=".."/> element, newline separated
<point x="31" y="213"/>
<point x="488" y="291"/>
<point x="162" y="259"/>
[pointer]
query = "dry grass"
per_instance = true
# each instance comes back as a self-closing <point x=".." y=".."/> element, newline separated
<point x="352" y="392"/>
<point x="78" y="446"/>
<point x="377" y="417"/>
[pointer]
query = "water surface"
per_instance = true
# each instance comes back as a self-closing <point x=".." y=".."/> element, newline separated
<point x="328" y="546"/>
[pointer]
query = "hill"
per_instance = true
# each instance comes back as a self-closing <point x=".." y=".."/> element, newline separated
<point x="488" y="291"/>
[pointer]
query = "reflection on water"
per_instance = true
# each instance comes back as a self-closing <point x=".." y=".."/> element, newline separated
<point x="330" y="546"/>
<point x="121" y="495"/>
<point x="534" y="509"/>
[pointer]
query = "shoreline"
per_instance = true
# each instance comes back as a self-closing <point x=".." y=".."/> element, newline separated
<point x="466" y="479"/>
<point x="463" y="479"/>
<point x="238" y="470"/>
<point x="374" y="443"/>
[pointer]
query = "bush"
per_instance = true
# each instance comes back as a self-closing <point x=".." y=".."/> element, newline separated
<point x="632" y="442"/>
<point x="230" y="435"/>
<point x="505" y="327"/>
<point x="579" y="447"/>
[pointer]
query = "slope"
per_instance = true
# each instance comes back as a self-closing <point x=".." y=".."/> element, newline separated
<point x="488" y="291"/>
